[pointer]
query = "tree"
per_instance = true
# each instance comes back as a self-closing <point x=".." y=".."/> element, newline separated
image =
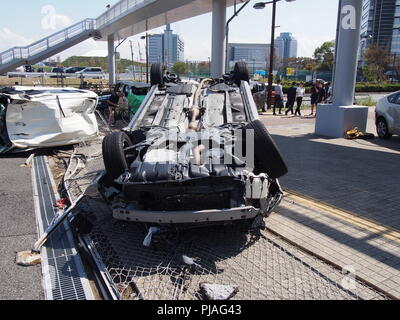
<point x="324" y="55"/>
<point x="179" y="68"/>
<point x="301" y="63"/>
<point x="377" y="60"/>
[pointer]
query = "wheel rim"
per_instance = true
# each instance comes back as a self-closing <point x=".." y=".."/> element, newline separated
<point x="382" y="130"/>
<point x="127" y="153"/>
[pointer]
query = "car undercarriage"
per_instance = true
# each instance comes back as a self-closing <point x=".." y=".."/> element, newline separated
<point x="194" y="153"/>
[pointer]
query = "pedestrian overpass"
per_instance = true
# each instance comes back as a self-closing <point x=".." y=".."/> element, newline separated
<point x="126" y="18"/>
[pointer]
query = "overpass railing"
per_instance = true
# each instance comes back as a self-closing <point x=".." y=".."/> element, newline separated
<point x="116" y="11"/>
<point x="20" y="53"/>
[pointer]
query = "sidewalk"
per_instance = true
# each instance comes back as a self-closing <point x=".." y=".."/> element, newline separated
<point x="356" y="224"/>
<point x="18" y="231"/>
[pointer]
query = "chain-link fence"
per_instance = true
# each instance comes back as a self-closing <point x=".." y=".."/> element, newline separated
<point x="259" y="264"/>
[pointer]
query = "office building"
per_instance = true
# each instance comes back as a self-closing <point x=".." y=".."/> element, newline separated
<point x="256" y="55"/>
<point x="167" y="48"/>
<point x="286" y="44"/>
<point x="380" y="25"/>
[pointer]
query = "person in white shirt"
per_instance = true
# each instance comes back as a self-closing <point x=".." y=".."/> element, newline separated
<point x="278" y="97"/>
<point x="299" y="97"/>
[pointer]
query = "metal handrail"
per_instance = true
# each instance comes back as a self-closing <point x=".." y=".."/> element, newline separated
<point x="116" y="11"/>
<point x="120" y="8"/>
<point x="19" y="53"/>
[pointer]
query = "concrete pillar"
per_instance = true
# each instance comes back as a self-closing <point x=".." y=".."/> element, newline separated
<point x="111" y="60"/>
<point x="218" y="38"/>
<point x="335" y="119"/>
<point x="347" y="55"/>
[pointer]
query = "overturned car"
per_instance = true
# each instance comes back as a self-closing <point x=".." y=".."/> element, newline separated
<point x="194" y="153"/>
<point x="41" y="117"/>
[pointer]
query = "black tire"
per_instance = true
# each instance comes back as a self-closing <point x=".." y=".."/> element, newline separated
<point x="268" y="158"/>
<point x="382" y="129"/>
<point x="114" y="157"/>
<point x="157" y="74"/>
<point x="240" y="73"/>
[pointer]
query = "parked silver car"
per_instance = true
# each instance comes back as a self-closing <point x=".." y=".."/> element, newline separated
<point x="387" y="116"/>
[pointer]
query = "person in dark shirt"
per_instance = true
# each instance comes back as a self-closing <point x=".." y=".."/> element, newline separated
<point x="314" y="97"/>
<point x="321" y="94"/>
<point x="112" y="105"/>
<point x="291" y="98"/>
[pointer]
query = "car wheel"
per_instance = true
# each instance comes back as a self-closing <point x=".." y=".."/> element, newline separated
<point x="383" y="129"/>
<point x="157" y="74"/>
<point x="267" y="156"/>
<point x="116" y="160"/>
<point x="241" y="73"/>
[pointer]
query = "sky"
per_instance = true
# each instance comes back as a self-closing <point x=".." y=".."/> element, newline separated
<point x="312" y="22"/>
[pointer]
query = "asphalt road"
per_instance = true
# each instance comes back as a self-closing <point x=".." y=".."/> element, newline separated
<point x="17" y="231"/>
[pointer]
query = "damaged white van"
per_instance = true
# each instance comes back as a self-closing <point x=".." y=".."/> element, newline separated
<point x="41" y="117"/>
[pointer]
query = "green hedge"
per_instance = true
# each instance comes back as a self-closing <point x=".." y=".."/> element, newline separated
<point x="370" y="87"/>
<point x="365" y="87"/>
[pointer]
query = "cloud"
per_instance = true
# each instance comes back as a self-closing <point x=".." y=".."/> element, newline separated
<point x="62" y="21"/>
<point x="307" y="45"/>
<point x="9" y="39"/>
<point x="52" y="20"/>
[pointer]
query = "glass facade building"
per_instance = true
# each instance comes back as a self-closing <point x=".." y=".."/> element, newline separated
<point x="256" y="55"/>
<point x="380" y="25"/>
<point x="287" y="45"/>
<point x="167" y="48"/>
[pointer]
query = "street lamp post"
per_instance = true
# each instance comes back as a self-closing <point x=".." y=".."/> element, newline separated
<point x="261" y="5"/>
<point x="236" y="13"/>
<point x="147" y="55"/>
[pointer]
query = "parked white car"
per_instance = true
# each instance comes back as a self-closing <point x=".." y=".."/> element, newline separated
<point x="35" y="117"/>
<point x="93" y="73"/>
<point x="387" y="116"/>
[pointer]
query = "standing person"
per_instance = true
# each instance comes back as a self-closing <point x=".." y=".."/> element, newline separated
<point x="321" y="94"/>
<point x="278" y="97"/>
<point x="314" y="98"/>
<point x="300" y="92"/>
<point x="327" y="90"/>
<point x="291" y="98"/>
<point x="112" y="105"/>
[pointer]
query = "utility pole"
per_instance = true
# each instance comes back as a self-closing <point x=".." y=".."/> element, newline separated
<point x="147" y="57"/>
<point x="133" y="62"/>
<point x="141" y="66"/>
<point x="146" y="37"/>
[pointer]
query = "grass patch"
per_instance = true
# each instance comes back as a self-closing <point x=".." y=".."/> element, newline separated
<point x="368" y="102"/>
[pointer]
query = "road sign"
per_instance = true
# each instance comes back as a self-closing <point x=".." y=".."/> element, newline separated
<point x="290" y="71"/>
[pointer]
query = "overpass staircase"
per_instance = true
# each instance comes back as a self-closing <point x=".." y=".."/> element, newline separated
<point x="49" y="46"/>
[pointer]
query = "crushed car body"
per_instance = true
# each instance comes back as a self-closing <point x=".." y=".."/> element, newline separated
<point x="194" y="153"/>
<point x="43" y="117"/>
